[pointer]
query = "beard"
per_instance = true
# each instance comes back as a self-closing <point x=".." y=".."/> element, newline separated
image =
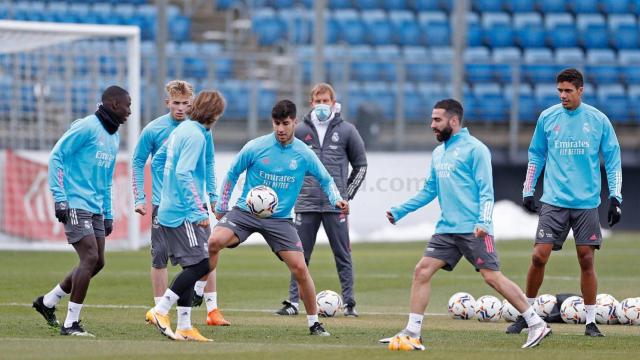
<point x="444" y="134"/>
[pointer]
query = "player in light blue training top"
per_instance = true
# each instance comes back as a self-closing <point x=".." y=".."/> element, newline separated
<point x="154" y="135"/>
<point x="279" y="161"/>
<point x="567" y="142"/>
<point x="460" y="177"/>
<point x="183" y="216"/>
<point x="81" y="169"/>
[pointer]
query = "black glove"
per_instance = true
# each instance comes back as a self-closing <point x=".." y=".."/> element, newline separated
<point x="62" y="211"/>
<point x="529" y="204"/>
<point x="108" y="227"/>
<point x="615" y="213"/>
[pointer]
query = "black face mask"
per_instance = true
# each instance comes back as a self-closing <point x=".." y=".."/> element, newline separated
<point x="108" y="119"/>
<point x="445" y="134"/>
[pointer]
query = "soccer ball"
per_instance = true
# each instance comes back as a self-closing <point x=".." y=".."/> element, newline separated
<point x="543" y="305"/>
<point x="462" y="306"/>
<point x="262" y="201"/>
<point x="488" y="308"/>
<point x="620" y="313"/>
<point x="509" y="312"/>
<point x="572" y="310"/>
<point x="630" y="311"/>
<point x="329" y="303"/>
<point x="606" y="309"/>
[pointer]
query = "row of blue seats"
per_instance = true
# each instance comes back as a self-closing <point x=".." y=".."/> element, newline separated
<point x="112" y="2"/>
<point x="512" y="6"/>
<point x="376" y="27"/>
<point x="143" y="16"/>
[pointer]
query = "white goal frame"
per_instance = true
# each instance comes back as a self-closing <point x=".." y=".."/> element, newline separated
<point x="36" y="33"/>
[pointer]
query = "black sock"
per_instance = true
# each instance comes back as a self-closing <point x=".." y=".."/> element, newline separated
<point x="183" y="283"/>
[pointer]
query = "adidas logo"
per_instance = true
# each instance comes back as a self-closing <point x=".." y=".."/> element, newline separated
<point x="184" y="313"/>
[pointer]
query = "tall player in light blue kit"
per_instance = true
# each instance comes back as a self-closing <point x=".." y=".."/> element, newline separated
<point x="461" y="179"/>
<point x="567" y="142"/>
<point x="280" y="161"/>
<point x="81" y="169"/>
<point x="153" y="136"/>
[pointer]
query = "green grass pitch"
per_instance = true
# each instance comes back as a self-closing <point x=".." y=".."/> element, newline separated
<point x="252" y="283"/>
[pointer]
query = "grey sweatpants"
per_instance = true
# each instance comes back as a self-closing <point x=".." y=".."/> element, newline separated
<point x="336" y="225"/>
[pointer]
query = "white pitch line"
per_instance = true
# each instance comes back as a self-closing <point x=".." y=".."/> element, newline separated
<point x="115" y="306"/>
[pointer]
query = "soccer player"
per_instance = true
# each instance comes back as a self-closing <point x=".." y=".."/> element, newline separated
<point x="337" y="143"/>
<point x="460" y="177"/>
<point x="81" y="170"/>
<point x="154" y="135"/>
<point x="280" y="161"/>
<point x="183" y="217"/>
<point x="567" y="142"/>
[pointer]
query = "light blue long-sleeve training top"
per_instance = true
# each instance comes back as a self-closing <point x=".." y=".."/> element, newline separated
<point x="567" y="144"/>
<point x="461" y="178"/>
<point x="281" y="167"/>
<point x="82" y="164"/>
<point x="184" y="179"/>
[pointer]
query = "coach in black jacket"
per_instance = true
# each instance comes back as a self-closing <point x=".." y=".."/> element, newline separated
<point x="338" y="144"/>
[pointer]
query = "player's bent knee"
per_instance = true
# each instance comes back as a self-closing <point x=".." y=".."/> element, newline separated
<point x="539" y="259"/>
<point x="99" y="266"/>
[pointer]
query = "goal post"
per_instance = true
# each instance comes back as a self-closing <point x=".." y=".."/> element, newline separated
<point x="50" y="75"/>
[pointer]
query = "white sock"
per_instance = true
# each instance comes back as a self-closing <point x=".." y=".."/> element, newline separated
<point x="156" y="299"/>
<point x="531" y="317"/>
<point x="168" y="299"/>
<point x="591" y="313"/>
<point x="312" y="319"/>
<point x="531" y="300"/>
<point x="53" y="297"/>
<point x="414" y="325"/>
<point x="199" y="287"/>
<point x="184" y="317"/>
<point x="211" y="300"/>
<point x="73" y="314"/>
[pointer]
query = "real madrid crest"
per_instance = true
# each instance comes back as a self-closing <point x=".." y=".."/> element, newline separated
<point x="335" y="137"/>
<point x="293" y="164"/>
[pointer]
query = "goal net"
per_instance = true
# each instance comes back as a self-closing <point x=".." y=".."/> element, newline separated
<point x="50" y="75"/>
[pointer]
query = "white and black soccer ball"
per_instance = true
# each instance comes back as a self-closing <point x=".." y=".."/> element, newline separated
<point x="543" y="305"/>
<point x="462" y="306"/>
<point x="488" y="308"/>
<point x="509" y="312"/>
<point x="629" y="311"/>
<point x="329" y="303"/>
<point x="262" y="201"/>
<point x="572" y="310"/>
<point x="606" y="309"/>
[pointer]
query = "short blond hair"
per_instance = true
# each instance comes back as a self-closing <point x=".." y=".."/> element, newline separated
<point x="175" y="88"/>
<point x="322" y="88"/>
<point x="207" y="107"/>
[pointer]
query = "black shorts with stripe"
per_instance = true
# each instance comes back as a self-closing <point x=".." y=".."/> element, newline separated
<point x="480" y="252"/>
<point x="187" y="244"/>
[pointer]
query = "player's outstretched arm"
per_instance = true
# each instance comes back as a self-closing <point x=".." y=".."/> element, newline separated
<point x="428" y="192"/>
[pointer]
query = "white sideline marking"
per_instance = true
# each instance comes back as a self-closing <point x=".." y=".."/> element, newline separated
<point x="146" y="307"/>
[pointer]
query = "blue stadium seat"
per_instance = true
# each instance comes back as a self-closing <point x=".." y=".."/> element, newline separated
<point x="625" y="37"/>
<point x="554" y="20"/>
<point x="499" y="35"/>
<point x="630" y="66"/>
<point x="30" y="12"/>
<point x="552" y="6"/>
<point x="391" y="5"/>
<point x="492" y="106"/>
<point x="283" y="4"/>
<point x="384" y="96"/>
<point x="584" y="6"/>
<point x="504" y="59"/>
<point x="59" y="12"/>
<point x="339" y="4"/>
<point x="602" y="66"/>
<point x="298" y="24"/>
<point x="350" y="27"/>
<point x="614" y="103"/>
<point x="426" y="5"/>
<point x="538" y="67"/>
<point x="437" y="33"/>
<point x="269" y="29"/>
<point x="531" y="37"/>
<point x="366" y="4"/>
<point x="615" y="6"/>
<point x="487" y="5"/>
<point x="517" y="6"/>
<point x="389" y="55"/>
<point x="527" y="105"/>
<point x="563" y="36"/>
<point x="405" y="28"/>
<point x="377" y="27"/>
<point x="595" y="37"/>
<point x="364" y="66"/>
<point x="414" y="105"/>
<point x="357" y="96"/>
<point x="526" y="20"/>
<point x="479" y="68"/>
<point x="569" y="57"/>
<point x="546" y="95"/>
<point x="416" y="68"/>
